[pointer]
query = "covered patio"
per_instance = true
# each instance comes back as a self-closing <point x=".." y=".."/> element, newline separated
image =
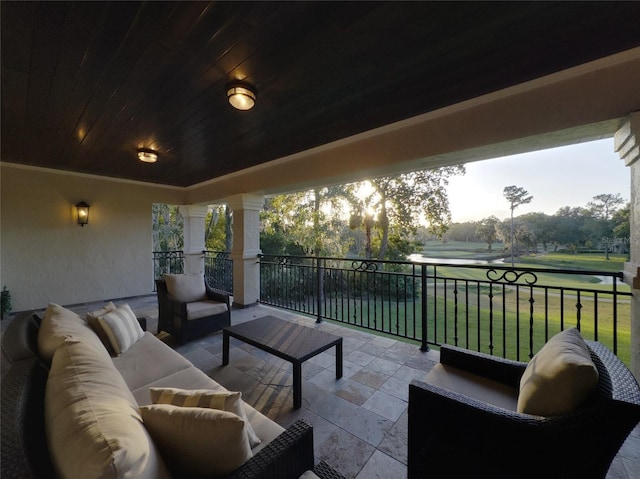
<point x="360" y="420"/>
<point x="344" y="91"/>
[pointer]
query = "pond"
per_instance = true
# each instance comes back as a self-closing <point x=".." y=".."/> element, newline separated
<point x="419" y="258"/>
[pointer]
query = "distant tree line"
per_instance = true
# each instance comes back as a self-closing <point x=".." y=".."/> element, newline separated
<point x="603" y="224"/>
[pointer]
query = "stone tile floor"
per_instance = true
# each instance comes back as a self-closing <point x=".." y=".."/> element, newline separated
<point x="360" y="421"/>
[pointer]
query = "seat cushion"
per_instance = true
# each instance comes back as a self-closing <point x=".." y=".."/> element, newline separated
<point x="473" y="386"/>
<point x="187" y="287"/>
<point x="559" y="378"/>
<point x="202" y="309"/>
<point x="147" y="361"/>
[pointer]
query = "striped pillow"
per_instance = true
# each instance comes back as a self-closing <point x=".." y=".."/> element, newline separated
<point x="121" y="328"/>
<point x="207" y="398"/>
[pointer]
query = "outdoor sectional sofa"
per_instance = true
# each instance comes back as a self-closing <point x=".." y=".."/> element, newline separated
<point x="73" y="408"/>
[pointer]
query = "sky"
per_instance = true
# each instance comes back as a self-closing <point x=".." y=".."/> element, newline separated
<point x="557" y="177"/>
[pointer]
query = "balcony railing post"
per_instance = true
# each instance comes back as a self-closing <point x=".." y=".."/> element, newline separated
<point x="320" y="282"/>
<point x="423" y="344"/>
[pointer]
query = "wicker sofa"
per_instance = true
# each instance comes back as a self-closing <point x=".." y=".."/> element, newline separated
<point x="41" y="415"/>
<point x="455" y="430"/>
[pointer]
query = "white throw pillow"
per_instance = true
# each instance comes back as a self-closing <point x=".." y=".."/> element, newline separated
<point x="197" y="441"/>
<point x="92" y="321"/>
<point x="121" y="328"/>
<point x="223" y="400"/>
<point x="559" y="378"/>
<point x="187" y="287"/>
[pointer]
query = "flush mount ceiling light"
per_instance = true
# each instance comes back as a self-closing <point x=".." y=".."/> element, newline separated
<point x="241" y="95"/>
<point x="147" y="155"/>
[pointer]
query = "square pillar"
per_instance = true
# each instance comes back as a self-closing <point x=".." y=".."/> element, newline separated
<point x="246" y="247"/>
<point x="194" y="229"/>
<point x="627" y="145"/>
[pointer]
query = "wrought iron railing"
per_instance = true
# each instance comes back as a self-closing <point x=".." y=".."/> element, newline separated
<point x="218" y="269"/>
<point x="167" y="262"/>
<point x="510" y="312"/>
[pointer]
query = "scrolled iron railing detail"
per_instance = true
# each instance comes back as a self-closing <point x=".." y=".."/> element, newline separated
<point x="509" y="312"/>
<point x="512" y="276"/>
<point x="363" y="266"/>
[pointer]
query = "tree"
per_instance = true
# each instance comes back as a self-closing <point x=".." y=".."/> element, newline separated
<point x="401" y="201"/>
<point x="486" y="230"/>
<point x="603" y="207"/>
<point x="167" y="227"/>
<point x="516" y="196"/>
<point x="218" y="233"/>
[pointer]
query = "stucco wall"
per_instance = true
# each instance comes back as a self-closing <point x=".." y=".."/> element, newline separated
<point x="46" y="257"/>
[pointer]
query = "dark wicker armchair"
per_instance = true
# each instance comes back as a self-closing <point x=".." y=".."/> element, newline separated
<point x="176" y="317"/>
<point x="454" y="435"/>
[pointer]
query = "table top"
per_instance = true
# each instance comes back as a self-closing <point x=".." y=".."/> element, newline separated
<point x="284" y="338"/>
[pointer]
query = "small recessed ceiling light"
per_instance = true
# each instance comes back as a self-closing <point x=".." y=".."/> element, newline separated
<point x="147" y="155"/>
<point x="241" y="95"/>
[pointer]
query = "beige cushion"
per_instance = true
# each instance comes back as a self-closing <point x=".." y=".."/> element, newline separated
<point x="223" y="400"/>
<point x="121" y="328"/>
<point x="196" y="441"/>
<point x="202" y="309"/>
<point x="149" y="360"/>
<point x="92" y="422"/>
<point x="59" y="324"/>
<point x="193" y="378"/>
<point x="92" y="319"/>
<point x="474" y="386"/>
<point x="559" y="378"/>
<point x="187" y="287"/>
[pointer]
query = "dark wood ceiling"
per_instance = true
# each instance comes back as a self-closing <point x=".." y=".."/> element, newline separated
<point x="84" y="84"/>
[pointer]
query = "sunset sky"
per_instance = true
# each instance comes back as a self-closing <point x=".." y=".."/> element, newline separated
<point x="566" y="176"/>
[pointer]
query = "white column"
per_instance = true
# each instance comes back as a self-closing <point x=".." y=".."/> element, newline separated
<point x="627" y="144"/>
<point x="246" y="247"/>
<point x="194" y="217"/>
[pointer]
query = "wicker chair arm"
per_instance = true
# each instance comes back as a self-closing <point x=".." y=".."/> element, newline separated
<point x="288" y="456"/>
<point x="325" y="471"/>
<point x="217" y="295"/>
<point x="502" y="370"/>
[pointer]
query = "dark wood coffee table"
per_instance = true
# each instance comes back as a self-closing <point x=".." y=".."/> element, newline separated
<point x="287" y="340"/>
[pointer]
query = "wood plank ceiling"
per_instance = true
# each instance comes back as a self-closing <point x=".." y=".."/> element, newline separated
<point x="84" y="84"/>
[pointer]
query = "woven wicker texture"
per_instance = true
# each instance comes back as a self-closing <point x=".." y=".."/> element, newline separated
<point x="451" y="433"/>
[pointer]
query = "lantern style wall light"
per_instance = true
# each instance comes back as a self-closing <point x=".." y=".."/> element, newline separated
<point x="242" y="96"/>
<point x="82" y="209"/>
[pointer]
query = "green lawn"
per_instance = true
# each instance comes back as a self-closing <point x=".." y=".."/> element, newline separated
<point x="498" y="316"/>
<point x="504" y="324"/>
<point x="479" y="328"/>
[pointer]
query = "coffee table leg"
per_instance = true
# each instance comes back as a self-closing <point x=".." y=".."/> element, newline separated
<point x="297" y="385"/>
<point x="225" y="348"/>
<point x="339" y="359"/>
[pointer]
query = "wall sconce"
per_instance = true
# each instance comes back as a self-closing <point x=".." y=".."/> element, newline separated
<point x="82" y="209"/>
<point x="241" y="95"/>
<point x="147" y="155"/>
